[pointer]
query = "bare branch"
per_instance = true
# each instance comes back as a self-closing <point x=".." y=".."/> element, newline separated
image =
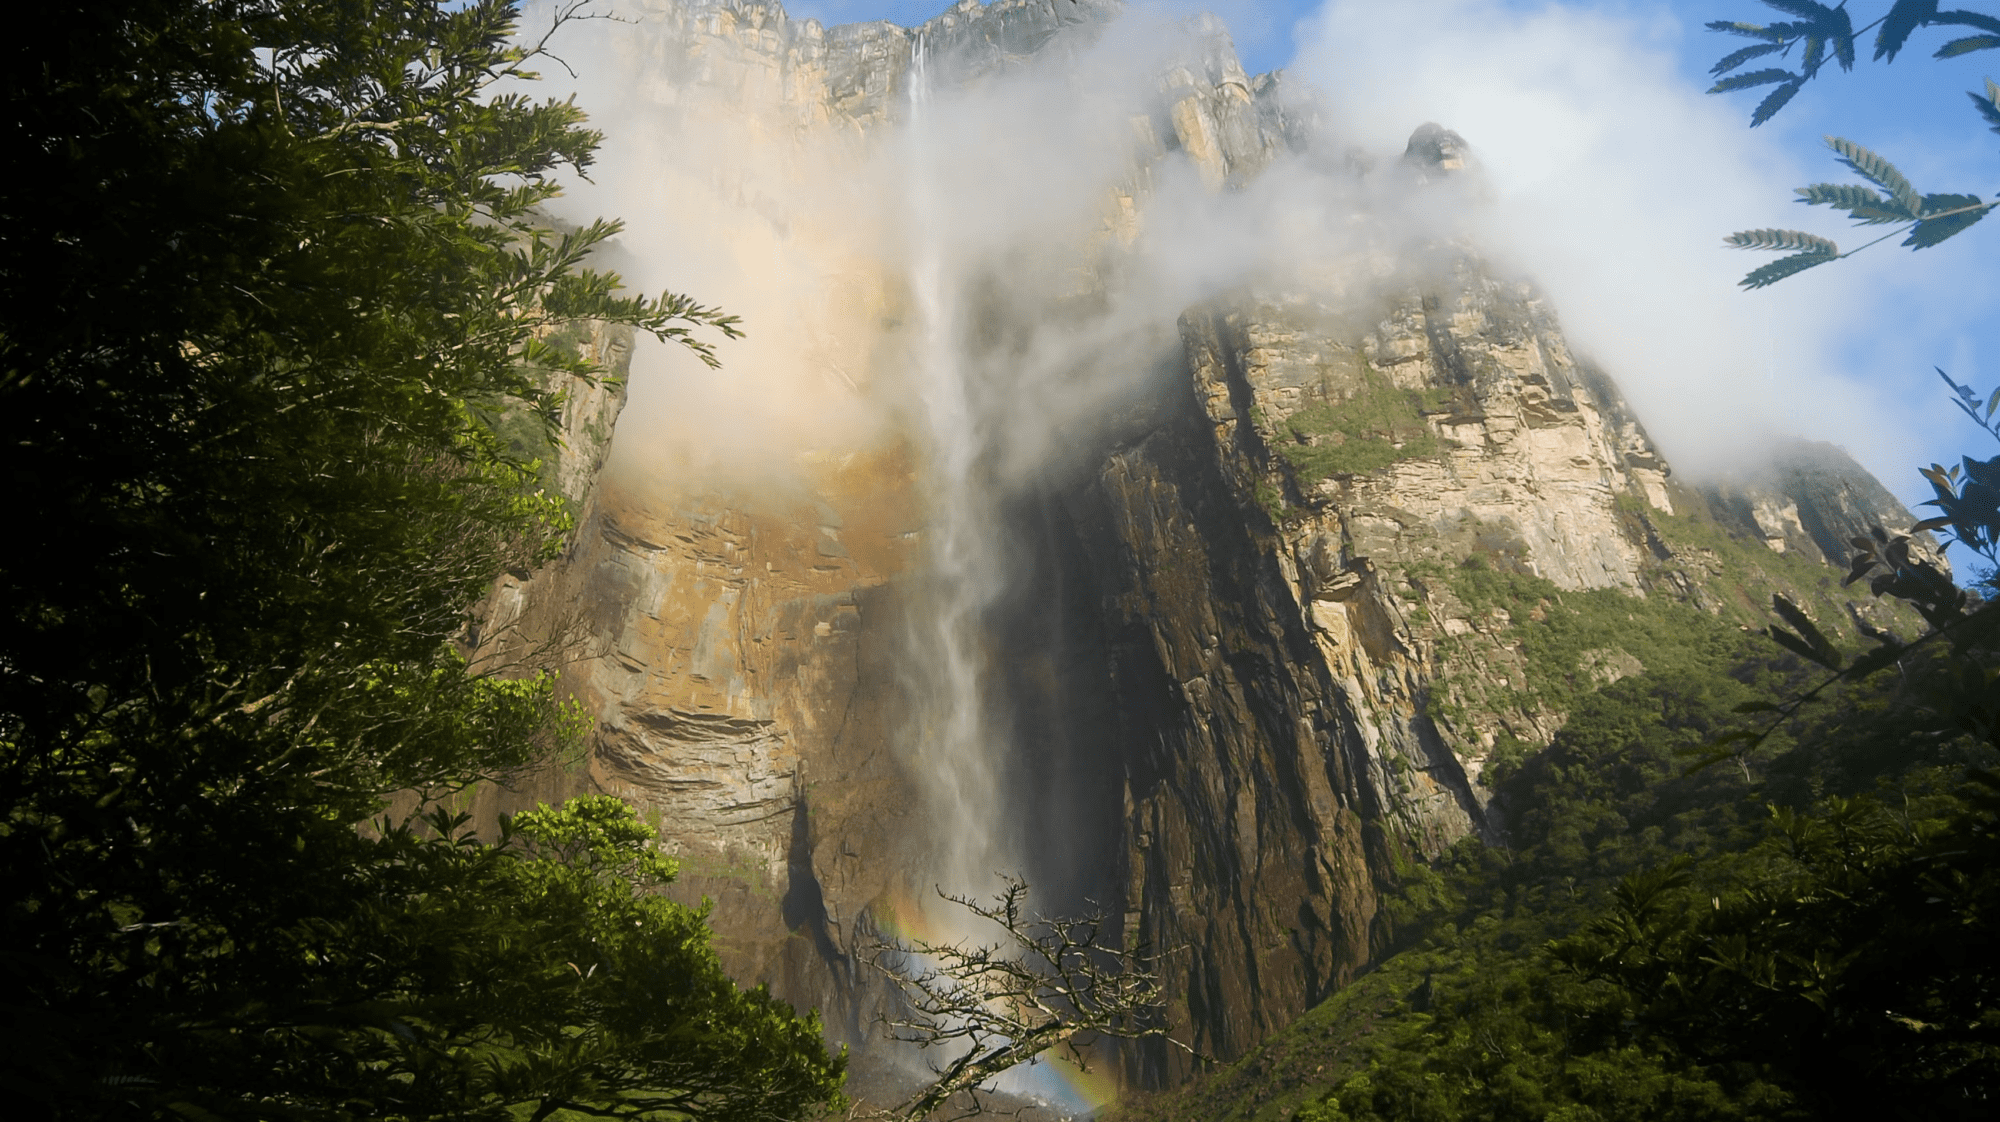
<point x="1047" y="983"/>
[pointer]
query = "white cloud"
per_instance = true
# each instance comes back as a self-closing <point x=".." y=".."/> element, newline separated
<point x="1613" y="181"/>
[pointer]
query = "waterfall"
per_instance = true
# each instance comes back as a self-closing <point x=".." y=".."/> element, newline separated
<point x="952" y="736"/>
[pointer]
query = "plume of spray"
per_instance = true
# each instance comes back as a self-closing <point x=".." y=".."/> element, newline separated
<point x="1047" y="263"/>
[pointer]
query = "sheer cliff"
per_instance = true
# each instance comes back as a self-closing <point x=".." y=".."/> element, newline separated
<point x="1242" y="681"/>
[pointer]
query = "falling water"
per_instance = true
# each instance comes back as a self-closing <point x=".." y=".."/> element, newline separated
<point x="953" y="738"/>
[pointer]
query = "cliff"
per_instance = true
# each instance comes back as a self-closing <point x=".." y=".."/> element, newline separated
<point x="1242" y="674"/>
<point x="1306" y="696"/>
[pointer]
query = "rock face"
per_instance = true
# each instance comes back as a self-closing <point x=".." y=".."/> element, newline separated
<point x="1269" y="673"/>
<point x="1277" y="636"/>
<point x="1224" y="653"/>
<point x="1811" y="499"/>
<point x="738" y="659"/>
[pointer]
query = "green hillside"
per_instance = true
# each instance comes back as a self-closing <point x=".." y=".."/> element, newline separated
<point x="1794" y="935"/>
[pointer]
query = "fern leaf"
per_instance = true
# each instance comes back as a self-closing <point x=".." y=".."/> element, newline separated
<point x="1748" y="30"/>
<point x="1770" y="105"/>
<point x="1938" y="204"/>
<point x="1964" y="18"/>
<point x="1754" y="78"/>
<point x="1784" y="267"/>
<point x="1842" y="196"/>
<point x="1902" y="19"/>
<point x="1989" y="106"/>
<point x="1735" y="59"/>
<point x="1967" y="45"/>
<point x="1794" y="240"/>
<point x="1862" y="204"/>
<point x="1878" y="171"/>
<point x="1879" y="216"/>
<point x="1931" y="231"/>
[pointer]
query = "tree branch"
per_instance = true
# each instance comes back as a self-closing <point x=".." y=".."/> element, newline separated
<point x="1046" y="983"/>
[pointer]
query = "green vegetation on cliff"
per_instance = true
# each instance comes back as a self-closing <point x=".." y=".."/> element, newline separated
<point x="1569" y="641"/>
<point x="1707" y="605"/>
<point x="1377" y="426"/>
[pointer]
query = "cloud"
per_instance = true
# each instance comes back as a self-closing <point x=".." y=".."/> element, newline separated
<point x="1613" y="181"/>
<point x="998" y="200"/>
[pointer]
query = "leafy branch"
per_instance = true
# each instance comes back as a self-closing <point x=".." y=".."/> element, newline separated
<point x="1820" y="33"/>
<point x="1927" y="219"/>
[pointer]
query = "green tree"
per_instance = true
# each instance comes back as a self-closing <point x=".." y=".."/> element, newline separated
<point x="272" y="273"/>
<point x="1853" y="959"/>
<point x="439" y="977"/>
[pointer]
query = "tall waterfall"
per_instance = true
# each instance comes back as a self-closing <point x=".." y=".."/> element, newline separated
<point x="952" y="735"/>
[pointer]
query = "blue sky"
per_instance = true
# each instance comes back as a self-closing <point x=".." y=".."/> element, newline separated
<point x="1885" y="322"/>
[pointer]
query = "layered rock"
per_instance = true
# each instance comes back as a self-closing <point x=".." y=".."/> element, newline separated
<point x="1272" y="683"/>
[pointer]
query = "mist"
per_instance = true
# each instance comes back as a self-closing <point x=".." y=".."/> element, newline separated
<point x="813" y="235"/>
<point x="1613" y="181"/>
<point x="1609" y="182"/>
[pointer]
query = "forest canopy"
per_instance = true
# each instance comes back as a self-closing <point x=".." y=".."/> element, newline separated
<point x="272" y="272"/>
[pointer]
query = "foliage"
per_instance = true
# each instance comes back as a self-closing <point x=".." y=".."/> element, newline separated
<point x="1856" y="960"/>
<point x="1561" y="636"/>
<point x="1377" y="426"/>
<point x="429" y="975"/>
<point x="1968" y="495"/>
<point x="273" y="271"/>
<point x="1821" y="33"/>
<point x="1555" y="631"/>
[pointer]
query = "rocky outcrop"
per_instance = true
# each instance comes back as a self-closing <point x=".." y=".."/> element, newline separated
<point x="1808" y="498"/>
<point x="1283" y="650"/>
<point x="798" y="74"/>
<point x="1272" y="686"/>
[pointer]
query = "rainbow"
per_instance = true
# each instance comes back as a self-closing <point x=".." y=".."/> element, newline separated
<point x="1054" y="1077"/>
